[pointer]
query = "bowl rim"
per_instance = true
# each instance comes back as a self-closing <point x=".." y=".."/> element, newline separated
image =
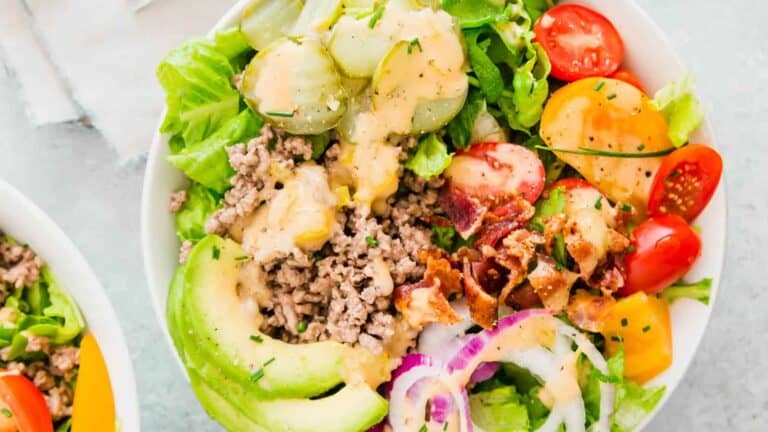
<point x="25" y="221"/>
<point x="718" y="206"/>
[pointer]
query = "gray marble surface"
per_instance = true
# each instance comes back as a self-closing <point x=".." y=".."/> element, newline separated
<point x="71" y="173"/>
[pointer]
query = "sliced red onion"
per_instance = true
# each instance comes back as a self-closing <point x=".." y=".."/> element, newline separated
<point x="400" y="397"/>
<point x="484" y="372"/>
<point x="440" y="408"/>
<point x="409" y="362"/>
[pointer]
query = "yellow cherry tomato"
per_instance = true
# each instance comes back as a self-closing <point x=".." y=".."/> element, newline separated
<point x="94" y="406"/>
<point x="608" y="115"/>
<point x="641" y="323"/>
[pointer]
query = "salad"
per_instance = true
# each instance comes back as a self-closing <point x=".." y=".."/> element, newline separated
<point x="428" y="216"/>
<point x="52" y="375"/>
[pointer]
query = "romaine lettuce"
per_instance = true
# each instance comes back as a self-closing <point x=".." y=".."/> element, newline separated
<point x="190" y="220"/>
<point x="680" y="108"/>
<point x="206" y="161"/>
<point x="697" y="291"/>
<point x="431" y="157"/>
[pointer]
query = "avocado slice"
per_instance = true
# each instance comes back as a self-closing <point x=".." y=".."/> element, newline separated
<point x="241" y="407"/>
<point x="224" y="331"/>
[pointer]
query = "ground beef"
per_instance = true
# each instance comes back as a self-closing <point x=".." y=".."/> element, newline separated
<point x="54" y="376"/>
<point x="339" y="293"/>
<point x="19" y="266"/>
<point x="184" y="250"/>
<point x="177" y="200"/>
<point x="254" y="180"/>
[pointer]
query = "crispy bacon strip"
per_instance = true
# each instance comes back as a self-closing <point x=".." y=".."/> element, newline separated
<point x="523" y="297"/>
<point x="439" y="266"/>
<point x="516" y="253"/>
<point x="552" y="285"/>
<point x="465" y="211"/>
<point x="483" y="307"/>
<point x="424" y="303"/>
<point x="587" y="310"/>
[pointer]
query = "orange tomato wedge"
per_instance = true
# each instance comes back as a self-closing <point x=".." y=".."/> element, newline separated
<point x="642" y="323"/>
<point x="94" y="406"/>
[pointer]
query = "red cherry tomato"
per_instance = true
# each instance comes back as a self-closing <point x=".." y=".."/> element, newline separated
<point x="580" y="42"/>
<point x="498" y="170"/>
<point x="629" y="78"/>
<point x="25" y="403"/>
<point x="665" y="248"/>
<point x="685" y="182"/>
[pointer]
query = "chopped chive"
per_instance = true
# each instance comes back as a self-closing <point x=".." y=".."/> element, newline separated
<point x="423" y="428"/>
<point x="280" y="113"/>
<point x="216" y="253"/>
<point x="646" y="329"/>
<point x="414" y="43"/>
<point x="242" y="258"/>
<point x="631" y="248"/>
<point x="259" y="374"/>
<point x="257" y="338"/>
<point x="605" y="153"/>
<point x="611" y="96"/>
<point x="474" y="82"/>
<point x="641" y="147"/>
<point x="6" y="412"/>
<point x="559" y="267"/>
<point x="599" y="86"/>
<point x="616" y="338"/>
<point x="372" y="242"/>
<point x="376" y="16"/>
<point x="624" y="322"/>
<point x="301" y="326"/>
<point x="599" y="203"/>
<point x="626" y="207"/>
<point x="445" y="426"/>
<point x="318" y="256"/>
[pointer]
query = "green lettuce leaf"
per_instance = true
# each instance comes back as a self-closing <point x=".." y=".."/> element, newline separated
<point x="431" y="157"/>
<point x="206" y="161"/>
<point x="548" y="207"/>
<point x="680" y="108"/>
<point x="448" y="239"/>
<point x="488" y="74"/>
<point x="232" y="44"/>
<point x="530" y="90"/>
<point x="319" y="144"/>
<point x="633" y="402"/>
<point x="197" y="79"/>
<point x="536" y="8"/>
<point x="696" y="291"/>
<point x="460" y="128"/>
<point x="200" y="205"/>
<point x="475" y="13"/>
<point x="63" y="308"/>
<point x="499" y="410"/>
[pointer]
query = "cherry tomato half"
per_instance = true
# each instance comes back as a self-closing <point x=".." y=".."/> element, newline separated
<point x="685" y="182"/>
<point x="498" y="170"/>
<point x="629" y="78"/>
<point x="580" y="42"/>
<point x="665" y="248"/>
<point x="25" y="402"/>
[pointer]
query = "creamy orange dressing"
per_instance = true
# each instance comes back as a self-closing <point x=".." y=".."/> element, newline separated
<point x="300" y="215"/>
<point x="564" y="387"/>
<point x="274" y="88"/>
<point x="409" y="76"/>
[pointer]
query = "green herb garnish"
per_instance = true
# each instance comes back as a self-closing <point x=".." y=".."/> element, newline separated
<point x="280" y="113"/>
<point x="599" y="86"/>
<point x="414" y="43"/>
<point x="626" y="207"/>
<point x="372" y="242"/>
<point x="599" y="203"/>
<point x="6" y="412"/>
<point x="631" y="248"/>
<point x="606" y="153"/>
<point x="445" y="426"/>
<point x="423" y="428"/>
<point x="216" y="253"/>
<point x="376" y="16"/>
<point x="641" y="147"/>
<point x="611" y="96"/>
<point x="257" y="338"/>
<point x="646" y="329"/>
<point x="242" y="258"/>
<point x="259" y="374"/>
<point x="624" y="322"/>
<point x="301" y="326"/>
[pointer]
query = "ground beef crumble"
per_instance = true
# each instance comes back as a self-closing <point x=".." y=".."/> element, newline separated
<point x="56" y="370"/>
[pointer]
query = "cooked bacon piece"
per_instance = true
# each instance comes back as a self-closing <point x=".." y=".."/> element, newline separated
<point x="483" y="307"/>
<point x="488" y="273"/>
<point x="589" y="240"/>
<point x="465" y="211"/>
<point x="523" y="297"/>
<point x="587" y="310"/>
<point x="516" y="253"/>
<point x="553" y="226"/>
<point x="553" y="286"/>
<point x="490" y="235"/>
<point x="610" y="276"/>
<point x="424" y="303"/>
<point x="439" y="266"/>
<point x="511" y="214"/>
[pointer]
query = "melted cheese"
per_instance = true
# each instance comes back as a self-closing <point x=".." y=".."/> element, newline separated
<point x="301" y="215"/>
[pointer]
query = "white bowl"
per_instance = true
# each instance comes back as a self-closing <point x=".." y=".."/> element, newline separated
<point x="648" y="54"/>
<point x="24" y="221"/>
